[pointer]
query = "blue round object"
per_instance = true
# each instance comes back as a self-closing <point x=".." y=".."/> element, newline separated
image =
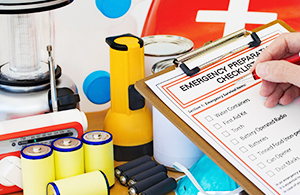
<point x="113" y="8"/>
<point x="96" y="87"/>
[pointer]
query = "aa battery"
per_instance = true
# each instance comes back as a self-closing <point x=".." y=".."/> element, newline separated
<point x="161" y="188"/>
<point x="134" y="163"/>
<point x="92" y="183"/>
<point x="37" y="168"/>
<point x="148" y="173"/>
<point x="124" y="178"/>
<point x="68" y="157"/>
<point x="146" y="183"/>
<point x="98" y="153"/>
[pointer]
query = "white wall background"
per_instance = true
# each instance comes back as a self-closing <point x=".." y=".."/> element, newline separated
<point x="80" y="47"/>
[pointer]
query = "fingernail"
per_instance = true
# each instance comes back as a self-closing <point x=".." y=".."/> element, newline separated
<point x="262" y="69"/>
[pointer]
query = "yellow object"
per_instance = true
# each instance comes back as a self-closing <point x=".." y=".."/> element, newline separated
<point x="98" y="153"/>
<point x="37" y="173"/>
<point x="68" y="157"/>
<point x="128" y="119"/>
<point x="92" y="183"/>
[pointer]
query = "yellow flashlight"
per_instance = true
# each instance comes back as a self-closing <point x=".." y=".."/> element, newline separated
<point x="128" y="119"/>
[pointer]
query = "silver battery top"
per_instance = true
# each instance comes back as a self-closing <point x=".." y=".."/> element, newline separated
<point x="67" y="144"/>
<point x="166" y="45"/>
<point x="132" y="191"/>
<point x="36" y="150"/>
<point x="97" y="137"/>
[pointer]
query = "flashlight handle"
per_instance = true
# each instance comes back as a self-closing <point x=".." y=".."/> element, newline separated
<point x="126" y="67"/>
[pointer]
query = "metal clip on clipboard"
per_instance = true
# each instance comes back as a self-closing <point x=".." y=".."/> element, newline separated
<point x="180" y="61"/>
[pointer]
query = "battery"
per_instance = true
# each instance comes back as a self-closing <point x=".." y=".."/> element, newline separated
<point x="131" y="164"/>
<point x="92" y="183"/>
<point x="98" y="153"/>
<point x="68" y="157"/>
<point x="146" y="183"/>
<point x="161" y="188"/>
<point x="124" y="178"/>
<point x="37" y="168"/>
<point x="148" y="173"/>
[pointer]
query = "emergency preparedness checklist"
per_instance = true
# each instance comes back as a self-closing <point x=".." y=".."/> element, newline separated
<point x="262" y="143"/>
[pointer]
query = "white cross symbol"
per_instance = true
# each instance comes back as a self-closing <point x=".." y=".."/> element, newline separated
<point x="236" y="17"/>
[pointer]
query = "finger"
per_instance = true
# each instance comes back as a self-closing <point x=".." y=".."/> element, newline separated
<point x="267" y="88"/>
<point x="285" y="44"/>
<point x="289" y="95"/>
<point x="279" y="71"/>
<point x="273" y="99"/>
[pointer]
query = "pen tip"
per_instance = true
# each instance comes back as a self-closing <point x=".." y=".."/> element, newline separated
<point x="245" y="78"/>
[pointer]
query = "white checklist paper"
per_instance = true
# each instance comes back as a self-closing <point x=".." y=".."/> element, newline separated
<point x="262" y="143"/>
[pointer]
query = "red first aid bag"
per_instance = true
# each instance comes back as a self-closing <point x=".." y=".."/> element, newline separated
<point x="203" y="21"/>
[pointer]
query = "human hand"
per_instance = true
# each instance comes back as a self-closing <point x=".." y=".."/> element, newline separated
<point x="280" y="79"/>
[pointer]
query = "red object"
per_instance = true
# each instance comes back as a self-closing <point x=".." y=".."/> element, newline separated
<point x="9" y="189"/>
<point x="179" y="17"/>
<point x="295" y="59"/>
<point x="255" y="76"/>
<point x="11" y="136"/>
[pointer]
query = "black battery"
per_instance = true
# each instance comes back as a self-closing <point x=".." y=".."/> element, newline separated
<point x="146" y="183"/>
<point x="161" y="188"/>
<point x="129" y="165"/>
<point x="148" y="173"/>
<point x="124" y="178"/>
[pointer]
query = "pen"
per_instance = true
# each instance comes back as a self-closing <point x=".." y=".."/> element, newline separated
<point x="295" y="59"/>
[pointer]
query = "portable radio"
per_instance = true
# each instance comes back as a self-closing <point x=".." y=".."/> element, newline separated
<point x="17" y="133"/>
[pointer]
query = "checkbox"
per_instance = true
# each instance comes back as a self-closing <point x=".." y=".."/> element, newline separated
<point x="234" y="141"/>
<point x="252" y="157"/>
<point x="217" y="126"/>
<point x="261" y="165"/>
<point x="243" y="149"/>
<point x="225" y="133"/>
<point x="270" y="173"/>
<point x="209" y="118"/>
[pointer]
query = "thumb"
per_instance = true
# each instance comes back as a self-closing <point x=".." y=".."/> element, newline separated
<point x="279" y="71"/>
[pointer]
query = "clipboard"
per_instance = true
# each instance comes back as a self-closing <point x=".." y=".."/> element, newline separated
<point x="201" y="143"/>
